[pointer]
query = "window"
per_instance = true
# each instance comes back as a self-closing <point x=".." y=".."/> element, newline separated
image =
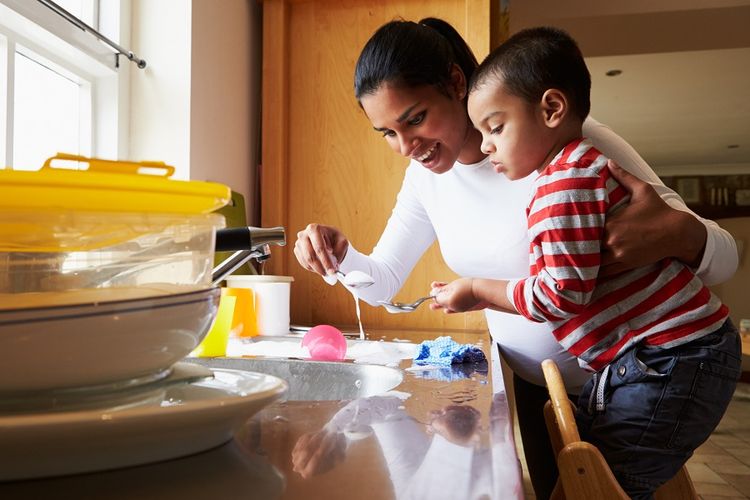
<point x="47" y="114"/>
<point x="82" y="9"/>
<point x="59" y="86"/>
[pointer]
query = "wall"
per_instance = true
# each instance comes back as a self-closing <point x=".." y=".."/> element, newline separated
<point x="160" y="94"/>
<point x="640" y="26"/>
<point x="225" y="94"/>
<point x="196" y="105"/>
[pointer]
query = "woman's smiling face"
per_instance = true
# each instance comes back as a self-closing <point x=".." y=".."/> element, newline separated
<point x="423" y="124"/>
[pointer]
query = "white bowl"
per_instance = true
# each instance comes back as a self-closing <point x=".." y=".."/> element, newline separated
<point x="92" y="344"/>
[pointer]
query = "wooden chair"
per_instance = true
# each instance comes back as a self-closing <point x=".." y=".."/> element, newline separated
<point x="584" y="474"/>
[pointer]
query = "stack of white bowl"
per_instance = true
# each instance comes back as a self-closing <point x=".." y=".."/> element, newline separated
<point x="105" y="275"/>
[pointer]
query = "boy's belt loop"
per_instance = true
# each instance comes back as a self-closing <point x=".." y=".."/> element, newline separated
<point x="600" y="386"/>
<point x="592" y="395"/>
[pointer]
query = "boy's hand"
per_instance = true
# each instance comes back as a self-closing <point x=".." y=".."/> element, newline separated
<point x="459" y="424"/>
<point x="456" y="296"/>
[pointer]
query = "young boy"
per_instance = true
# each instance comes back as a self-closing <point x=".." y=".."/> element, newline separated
<point x="665" y="354"/>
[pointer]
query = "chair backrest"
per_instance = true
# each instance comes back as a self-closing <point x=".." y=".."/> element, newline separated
<point x="561" y="405"/>
<point x="584" y="472"/>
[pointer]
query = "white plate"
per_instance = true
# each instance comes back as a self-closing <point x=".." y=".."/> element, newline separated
<point x="190" y="418"/>
<point x="107" y="397"/>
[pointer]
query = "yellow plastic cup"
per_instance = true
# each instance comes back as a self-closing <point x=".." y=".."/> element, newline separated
<point x="214" y="343"/>
<point x="244" y="320"/>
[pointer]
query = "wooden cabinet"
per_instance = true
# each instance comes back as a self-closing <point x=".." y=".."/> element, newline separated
<point x="321" y="160"/>
<point x="713" y="196"/>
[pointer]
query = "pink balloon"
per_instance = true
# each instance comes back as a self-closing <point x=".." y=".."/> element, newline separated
<point x="325" y="343"/>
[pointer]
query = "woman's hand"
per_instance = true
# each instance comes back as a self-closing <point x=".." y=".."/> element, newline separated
<point x="320" y="248"/>
<point x="318" y="452"/>
<point x="647" y="230"/>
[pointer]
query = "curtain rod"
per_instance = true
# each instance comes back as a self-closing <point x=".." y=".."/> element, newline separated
<point x="141" y="63"/>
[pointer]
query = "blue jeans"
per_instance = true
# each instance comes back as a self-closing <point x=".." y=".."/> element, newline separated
<point x="659" y="406"/>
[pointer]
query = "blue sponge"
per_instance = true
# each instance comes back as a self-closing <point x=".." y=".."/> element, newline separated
<point x="444" y="351"/>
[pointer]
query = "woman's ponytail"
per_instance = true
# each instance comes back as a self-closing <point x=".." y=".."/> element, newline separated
<point x="464" y="56"/>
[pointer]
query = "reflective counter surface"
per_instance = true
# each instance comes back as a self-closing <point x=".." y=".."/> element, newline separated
<point x="442" y="433"/>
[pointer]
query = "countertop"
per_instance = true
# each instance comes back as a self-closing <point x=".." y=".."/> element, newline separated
<point x="430" y="437"/>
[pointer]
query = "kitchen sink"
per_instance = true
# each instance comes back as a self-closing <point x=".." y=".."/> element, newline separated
<point x="316" y="380"/>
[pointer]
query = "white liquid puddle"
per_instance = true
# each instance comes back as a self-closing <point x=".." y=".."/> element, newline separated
<point x="380" y="353"/>
<point x="368" y="352"/>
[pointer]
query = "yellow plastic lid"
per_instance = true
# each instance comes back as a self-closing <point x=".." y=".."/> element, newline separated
<point x="108" y="186"/>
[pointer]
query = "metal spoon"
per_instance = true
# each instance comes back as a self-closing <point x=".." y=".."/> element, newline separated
<point x="401" y="307"/>
<point x="355" y="279"/>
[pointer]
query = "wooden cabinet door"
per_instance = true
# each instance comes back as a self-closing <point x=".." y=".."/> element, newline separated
<point x="321" y="160"/>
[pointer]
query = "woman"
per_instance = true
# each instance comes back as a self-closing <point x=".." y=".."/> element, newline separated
<point x="410" y="80"/>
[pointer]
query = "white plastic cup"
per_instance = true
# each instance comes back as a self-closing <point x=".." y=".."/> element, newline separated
<point x="271" y="300"/>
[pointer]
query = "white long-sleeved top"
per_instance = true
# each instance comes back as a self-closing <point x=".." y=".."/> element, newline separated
<point x="478" y="217"/>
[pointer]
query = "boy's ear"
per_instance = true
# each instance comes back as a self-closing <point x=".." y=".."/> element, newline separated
<point x="555" y="107"/>
<point x="458" y="82"/>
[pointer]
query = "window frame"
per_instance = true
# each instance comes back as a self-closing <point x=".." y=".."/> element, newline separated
<point x="59" y="43"/>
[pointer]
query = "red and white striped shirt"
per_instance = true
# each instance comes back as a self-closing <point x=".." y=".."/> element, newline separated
<point x="597" y="319"/>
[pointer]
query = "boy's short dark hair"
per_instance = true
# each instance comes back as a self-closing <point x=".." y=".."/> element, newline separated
<point x="534" y="60"/>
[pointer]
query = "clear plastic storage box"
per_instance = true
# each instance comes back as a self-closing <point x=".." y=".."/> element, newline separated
<point x="109" y="232"/>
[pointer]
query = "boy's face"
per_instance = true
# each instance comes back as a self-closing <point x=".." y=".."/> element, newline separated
<point x="514" y="134"/>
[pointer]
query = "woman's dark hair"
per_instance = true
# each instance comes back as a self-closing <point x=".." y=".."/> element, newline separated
<point x="412" y="54"/>
<point x="537" y="59"/>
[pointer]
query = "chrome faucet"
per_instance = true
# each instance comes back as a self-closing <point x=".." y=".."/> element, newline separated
<point x="249" y="243"/>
